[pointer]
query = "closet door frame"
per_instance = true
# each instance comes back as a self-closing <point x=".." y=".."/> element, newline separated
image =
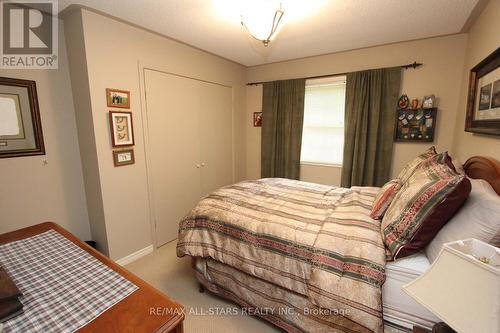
<point x="142" y="67"/>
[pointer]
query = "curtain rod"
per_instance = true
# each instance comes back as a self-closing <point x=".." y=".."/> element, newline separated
<point x="407" y="66"/>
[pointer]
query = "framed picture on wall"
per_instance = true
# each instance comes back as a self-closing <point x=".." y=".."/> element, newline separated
<point x="123" y="157"/>
<point x="118" y="98"/>
<point x="257" y="119"/>
<point x="20" y="124"/>
<point x="122" y="130"/>
<point x="483" y="103"/>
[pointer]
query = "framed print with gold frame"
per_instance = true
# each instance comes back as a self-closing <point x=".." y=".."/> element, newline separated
<point x="116" y="98"/>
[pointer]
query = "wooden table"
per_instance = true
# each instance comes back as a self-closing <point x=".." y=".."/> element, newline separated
<point x="136" y="313"/>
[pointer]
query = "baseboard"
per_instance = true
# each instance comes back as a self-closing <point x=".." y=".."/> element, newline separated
<point x="134" y="256"/>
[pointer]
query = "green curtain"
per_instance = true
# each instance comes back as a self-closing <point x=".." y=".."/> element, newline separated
<point x="282" y="119"/>
<point x="371" y="103"/>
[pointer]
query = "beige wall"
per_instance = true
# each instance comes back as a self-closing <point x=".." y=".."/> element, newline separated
<point x="484" y="38"/>
<point x="443" y="60"/>
<point x="114" y="51"/>
<point x="31" y="192"/>
<point x="85" y="125"/>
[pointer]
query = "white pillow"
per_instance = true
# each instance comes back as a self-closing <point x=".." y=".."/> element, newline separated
<point x="459" y="167"/>
<point x="478" y="218"/>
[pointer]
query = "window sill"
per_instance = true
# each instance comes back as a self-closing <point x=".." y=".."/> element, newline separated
<point x="328" y="165"/>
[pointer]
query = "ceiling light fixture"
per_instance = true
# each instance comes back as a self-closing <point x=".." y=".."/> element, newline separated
<point x="258" y="28"/>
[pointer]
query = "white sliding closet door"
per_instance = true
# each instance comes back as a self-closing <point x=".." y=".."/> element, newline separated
<point x="216" y="137"/>
<point x="190" y="145"/>
<point x="174" y="149"/>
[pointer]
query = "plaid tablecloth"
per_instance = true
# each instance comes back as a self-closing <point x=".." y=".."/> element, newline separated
<point x="64" y="287"/>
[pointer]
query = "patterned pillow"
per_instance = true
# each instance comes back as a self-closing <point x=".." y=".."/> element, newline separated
<point x="428" y="199"/>
<point x="411" y="166"/>
<point x="384" y="198"/>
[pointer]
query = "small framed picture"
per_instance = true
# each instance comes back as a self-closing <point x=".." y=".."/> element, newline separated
<point x="485" y="97"/>
<point x="495" y="97"/>
<point x="257" y="119"/>
<point x="123" y="157"/>
<point x="118" y="98"/>
<point x="428" y="102"/>
<point x="122" y="130"/>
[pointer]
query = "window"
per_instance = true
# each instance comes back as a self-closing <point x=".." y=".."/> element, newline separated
<point x="323" y="132"/>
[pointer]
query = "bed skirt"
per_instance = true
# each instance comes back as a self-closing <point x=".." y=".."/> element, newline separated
<point x="290" y="311"/>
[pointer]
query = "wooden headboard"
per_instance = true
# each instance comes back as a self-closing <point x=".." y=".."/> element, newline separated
<point x="486" y="168"/>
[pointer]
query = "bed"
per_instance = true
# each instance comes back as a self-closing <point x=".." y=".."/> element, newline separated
<point x="130" y="314"/>
<point x="307" y="257"/>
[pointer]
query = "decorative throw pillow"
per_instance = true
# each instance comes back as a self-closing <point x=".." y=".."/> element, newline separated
<point x="411" y="166"/>
<point x="384" y="198"/>
<point x="425" y="202"/>
<point x="478" y="218"/>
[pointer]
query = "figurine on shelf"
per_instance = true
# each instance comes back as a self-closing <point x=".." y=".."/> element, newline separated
<point x="428" y="102"/>
<point x="414" y="103"/>
<point x="403" y="102"/>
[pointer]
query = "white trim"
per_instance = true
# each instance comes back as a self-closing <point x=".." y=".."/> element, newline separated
<point x="147" y="152"/>
<point x="322" y="164"/>
<point x="325" y="81"/>
<point x="134" y="256"/>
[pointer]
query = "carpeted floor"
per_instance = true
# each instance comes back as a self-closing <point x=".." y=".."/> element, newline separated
<point x="175" y="278"/>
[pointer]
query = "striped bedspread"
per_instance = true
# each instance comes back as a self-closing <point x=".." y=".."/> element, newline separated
<point x="315" y="240"/>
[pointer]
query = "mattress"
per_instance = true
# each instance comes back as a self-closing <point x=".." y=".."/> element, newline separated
<point x="399" y="308"/>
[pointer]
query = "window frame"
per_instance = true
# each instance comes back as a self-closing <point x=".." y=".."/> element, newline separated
<point x="318" y="82"/>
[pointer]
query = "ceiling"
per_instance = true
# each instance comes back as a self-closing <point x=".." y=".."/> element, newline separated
<point x="310" y="27"/>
